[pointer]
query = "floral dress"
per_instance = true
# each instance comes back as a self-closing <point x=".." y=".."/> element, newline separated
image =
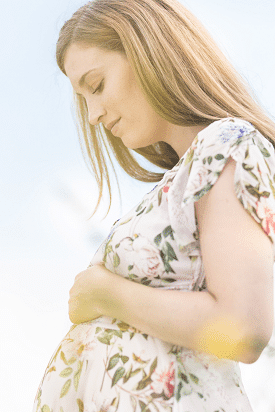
<point x="105" y="365"/>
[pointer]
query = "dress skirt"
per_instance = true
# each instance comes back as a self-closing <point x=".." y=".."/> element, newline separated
<point x="106" y="366"/>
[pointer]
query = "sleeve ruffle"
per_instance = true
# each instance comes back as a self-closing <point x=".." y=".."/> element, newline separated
<point x="202" y="164"/>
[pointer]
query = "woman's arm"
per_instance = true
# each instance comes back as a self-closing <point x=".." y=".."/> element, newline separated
<point x="234" y="319"/>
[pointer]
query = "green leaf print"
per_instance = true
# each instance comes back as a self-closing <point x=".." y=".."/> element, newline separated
<point x="201" y="192"/>
<point x="219" y="157"/>
<point x="264" y="151"/>
<point x="130" y="267"/>
<point x="271" y="186"/>
<point x="80" y="405"/>
<point x="98" y="329"/>
<point x="247" y="152"/>
<point x="145" y="281"/>
<point x="140" y="206"/>
<point x="253" y="175"/>
<point x="61" y="409"/>
<point x="45" y="408"/>
<point x="142" y="405"/>
<point x="169" y="252"/>
<point x="154" y="365"/>
<point x="209" y="159"/>
<point x="56" y="353"/>
<point x="118" y="375"/>
<point x="247" y="167"/>
<point x="189" y="157"/>
<point x="116" y="260"/>
<point x="157" y="239"/>
<point x="123" y="326"/>
<point x="105" y="339"/>
<point x="108" y="248"/>
<point x="178" y="393"/>
<point x="113" y="361"/>
<point x="168" y="268"/>
<point x="194" y="378"/>
<point x="71" y="360"/>
<point x="63" y="357"/>
<point x="168" y="231"/>
<point x="134" y="403"/>
<point x="124" y="359"/>
<point x="183" y="377"/>
<point x="140" y="213"/>
<point x="143" y="383"/>
<point x="117" y="333"/>
<point x="169" y="280"/>
<point x="150" y="208"/>
<point x="65" y="388"/>
<point x="78" y="374"/>
<point x="159" y="197"/>
<point x="80" y="349"/>
<point x="156" y="395"/>
<point x="255" y="192"/>
<point x="52" y="369"/>
<point x="131" y="276"/>
<point x="115" y="402"/>
<point x="128" y="374"/>
<point x="249" y="170"/>
<point x="66" y="372"/>
<point x="135" y="372"/>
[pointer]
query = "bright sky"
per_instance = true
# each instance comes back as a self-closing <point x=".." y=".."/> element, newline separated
<point x="48" y="194"/>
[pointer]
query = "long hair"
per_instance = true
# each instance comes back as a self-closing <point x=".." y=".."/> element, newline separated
<point x="180" y="69"/>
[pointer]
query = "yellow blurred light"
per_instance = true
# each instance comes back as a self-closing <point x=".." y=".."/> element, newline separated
<point x="223" y="338"/>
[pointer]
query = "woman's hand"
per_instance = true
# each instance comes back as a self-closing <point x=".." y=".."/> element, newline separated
<point x="86" y="294"/>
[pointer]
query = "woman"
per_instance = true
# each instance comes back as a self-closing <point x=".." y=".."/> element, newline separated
<point x="148" y="77"/>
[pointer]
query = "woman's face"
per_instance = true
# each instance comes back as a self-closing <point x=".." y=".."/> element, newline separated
<point x="107" y="82"/>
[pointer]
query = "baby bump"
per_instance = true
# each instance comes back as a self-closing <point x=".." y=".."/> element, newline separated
<point x="106" y="363"/>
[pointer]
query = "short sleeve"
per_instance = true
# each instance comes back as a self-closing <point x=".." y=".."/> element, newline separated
<point x="202" y="164"/>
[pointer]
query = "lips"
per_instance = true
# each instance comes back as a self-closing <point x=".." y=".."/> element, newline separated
<point x="111" y="125"/>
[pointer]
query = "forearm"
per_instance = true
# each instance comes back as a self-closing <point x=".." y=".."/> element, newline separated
<point x="194" y="320"/>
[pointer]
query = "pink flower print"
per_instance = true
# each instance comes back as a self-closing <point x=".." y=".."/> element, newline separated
<point x="146" y="259"/>
<point x="80" y="340"/>
<point x="165" y="381"/>
<point x="267" y="215"/>
<point x="166" y="189"/>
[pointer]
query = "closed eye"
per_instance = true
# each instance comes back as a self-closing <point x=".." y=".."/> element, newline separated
<point x="99" y="88"/>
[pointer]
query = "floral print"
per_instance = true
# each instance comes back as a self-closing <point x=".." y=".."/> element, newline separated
<point x="106" y="365"/>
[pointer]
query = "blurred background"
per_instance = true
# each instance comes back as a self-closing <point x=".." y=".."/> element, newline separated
<point x="48" y="194"/>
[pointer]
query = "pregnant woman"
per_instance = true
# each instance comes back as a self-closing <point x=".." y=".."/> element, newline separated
<point x="181" y="290"/>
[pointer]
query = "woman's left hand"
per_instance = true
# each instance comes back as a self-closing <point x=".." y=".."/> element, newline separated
<point x="86" y="294"/>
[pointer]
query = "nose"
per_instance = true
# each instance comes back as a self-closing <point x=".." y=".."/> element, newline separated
<point x="95" y="112"/>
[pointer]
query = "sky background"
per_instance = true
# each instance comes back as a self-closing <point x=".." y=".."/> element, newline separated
<point x="48" y="194"/>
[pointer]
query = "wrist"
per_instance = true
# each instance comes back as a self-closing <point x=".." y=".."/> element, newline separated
<point x="105" y="301"/>
<point x="111" y="300"/>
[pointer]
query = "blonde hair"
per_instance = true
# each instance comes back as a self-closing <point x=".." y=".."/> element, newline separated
<point x="182" y="72"/>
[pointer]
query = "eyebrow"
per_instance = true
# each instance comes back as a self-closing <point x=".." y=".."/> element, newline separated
<point x="82" y="80"/>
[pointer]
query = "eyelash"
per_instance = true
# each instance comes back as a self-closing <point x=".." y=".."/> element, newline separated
<point x="99" y="87"/>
